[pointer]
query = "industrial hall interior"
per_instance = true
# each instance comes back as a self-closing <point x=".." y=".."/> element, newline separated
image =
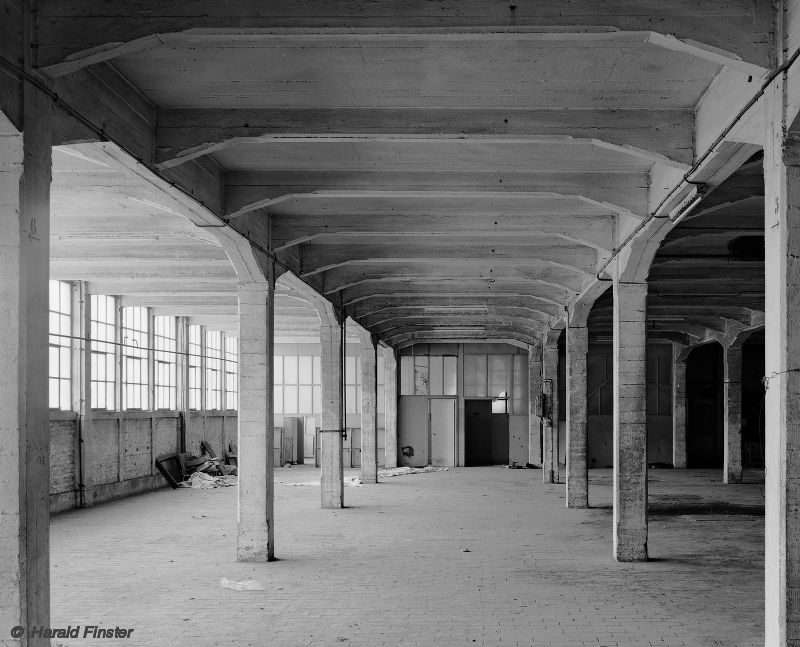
<point x="400" y="323"/>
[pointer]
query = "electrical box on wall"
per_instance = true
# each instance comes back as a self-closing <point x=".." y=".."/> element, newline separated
<point x="543" y="406"/>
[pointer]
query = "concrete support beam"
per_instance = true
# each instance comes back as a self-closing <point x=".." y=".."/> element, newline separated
<point x="732" y="397"/>
<point x="577" y="420"/>
<point x="534" y="394"/>
<point x="369" y="409"/>
<point x="25" y="174"/>
<point x="550" y="423"/>
<point x="630" y="421"/>
<point x="782" y="359"/>
<point x="331" y="448"/>
<point x="256" y="541"/>
<point x="390" y="406"/>
<point x="678" y="407"/>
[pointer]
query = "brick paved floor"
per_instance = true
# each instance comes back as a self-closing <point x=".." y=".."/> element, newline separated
<point x="391" y="569"/>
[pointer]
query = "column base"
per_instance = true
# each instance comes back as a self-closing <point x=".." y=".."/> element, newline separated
<point x="253" y="543"/>
<point x="577" y="500"/>
<point x="630" y="545"/>
<point x="732" y="477"/>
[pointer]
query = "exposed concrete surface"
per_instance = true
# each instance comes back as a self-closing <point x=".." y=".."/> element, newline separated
<point x="536" y="574"/>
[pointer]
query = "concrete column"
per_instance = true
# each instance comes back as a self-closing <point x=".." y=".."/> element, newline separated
<point x="369" y="410"/>
<point x="630" y="421"/>
<point x="390" y="406"/>
<point x="782" y="359"/>
<point x="256" y="541"/>
<point x="25" y="173"/>
<point x="577" y="420"/>
<point x="81" y="380"/>
<point x="534" y="393"/>
<point x="732" y="397"/>
<point x="678" y="407"/>
<point x="330" y="441"/>
<point x="550" y="424"/>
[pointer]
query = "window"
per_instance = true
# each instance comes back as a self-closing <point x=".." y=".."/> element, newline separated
<point x="298" y="384"/>
<point x="213" y="369"/>
<point x="135" y="386"/>
<point x="381" y="381"/>
<point x="195" y="350"/>
<point x="352" y="384"/>
<point x="60" y="339"/>
<point x="164" y="340"/>
<point x="102" y="332"/>
<point x="231" y="373"/>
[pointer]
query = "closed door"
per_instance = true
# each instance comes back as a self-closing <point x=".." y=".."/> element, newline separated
<point x="412" y="431"/>
<point x="443" y="432"/>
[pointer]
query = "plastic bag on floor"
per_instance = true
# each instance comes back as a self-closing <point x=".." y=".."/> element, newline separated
<point x="241" y="585"/>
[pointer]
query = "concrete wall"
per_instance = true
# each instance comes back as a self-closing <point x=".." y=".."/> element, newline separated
<point x="119" y="451"/>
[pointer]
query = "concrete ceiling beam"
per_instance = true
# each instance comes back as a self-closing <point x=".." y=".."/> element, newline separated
<point x="187" y="133"/>
<point x="72" y="35"/>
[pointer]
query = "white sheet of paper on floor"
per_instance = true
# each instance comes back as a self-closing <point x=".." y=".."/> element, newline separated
<point x="241" y="585"/>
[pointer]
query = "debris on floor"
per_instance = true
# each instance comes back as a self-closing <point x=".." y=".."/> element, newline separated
<point x="402" y="471"/>
<point x="241" y="585"/>
<point x="352" y="481"/>
<point x="203" y="481"/>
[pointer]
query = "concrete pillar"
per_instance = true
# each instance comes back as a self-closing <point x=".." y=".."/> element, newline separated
<point x="369" y="409"/>
<point x="256" y="541"/>
<point x="550" y="423"/>
<point x="330" y="438"/>
<point x="630" y="421"/>
<point x="577" y="420"/>
<point x="182" y="378"/>
<point x="782" y="359"/>
<point x="390" y="406"/>
<point x="678" y="406"/>
<point x="25" y="173"/>
<point x="534" y="394"/>
<point x="732" y="398"/>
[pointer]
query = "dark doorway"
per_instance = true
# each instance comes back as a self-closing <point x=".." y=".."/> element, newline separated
<point x="704" y="413"/>
<point x="485" y="434"/>
<point x="753" y="401"/>
<point x="499" y="439"/>
<point x="477" y="432"/>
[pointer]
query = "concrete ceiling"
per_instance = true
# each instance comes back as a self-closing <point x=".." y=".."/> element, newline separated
<point x="436" y="180"/>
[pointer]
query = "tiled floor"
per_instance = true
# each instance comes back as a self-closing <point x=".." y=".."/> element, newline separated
<point x="393" y="569"/>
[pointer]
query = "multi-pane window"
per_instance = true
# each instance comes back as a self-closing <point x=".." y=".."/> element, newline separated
<point x="165" y="357"/>
<point x="381" y="382"/>
<point x="195" y="352"/>
<point x="213" y="369"/>
<point x="231" y="373"/>
<point x="352" y="384"/>
<point x="134" y="358"/>
<point x="298" y="381"/>
<point x="102" y="332"/>
<point x="60" y="338"/>
<point x="428" y="375"/>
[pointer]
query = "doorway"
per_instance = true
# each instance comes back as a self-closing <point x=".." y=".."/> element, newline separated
<point x="443" y="431"/>
<point x="485" y="434"/>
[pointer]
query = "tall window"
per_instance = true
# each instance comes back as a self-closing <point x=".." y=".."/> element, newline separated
<point x="213" y="369"/>
<point x="164" y="340"/>
<point x="298" y="384"/>
<point x="231" y="373"/>
<point x="134" y="358"/>
<point x="195" y="349"/>
<point x="102" y="334"/>
<point x="60" y="354"/>
<point x="352" y="384"/>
